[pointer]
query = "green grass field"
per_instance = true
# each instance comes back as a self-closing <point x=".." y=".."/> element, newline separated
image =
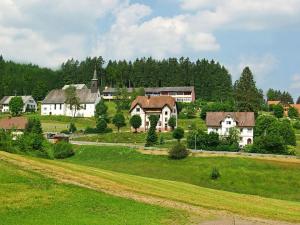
<point x="174" y="194"/>
<point x="31" y="199"/>
<point x="242" y="175"/>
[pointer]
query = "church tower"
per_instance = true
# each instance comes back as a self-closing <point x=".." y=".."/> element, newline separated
<point x="94" y="83"/>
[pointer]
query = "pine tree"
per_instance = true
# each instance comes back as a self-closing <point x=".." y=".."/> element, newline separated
<point x="247" y="97"/>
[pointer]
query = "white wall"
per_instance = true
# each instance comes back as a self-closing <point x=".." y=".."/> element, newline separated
<point x="87" y="110"/>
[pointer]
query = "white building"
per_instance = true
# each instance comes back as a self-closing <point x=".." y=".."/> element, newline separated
<point x="163" y="106"/>
<point x="29" y="103"/>
<point x="54" y="103"/>
<point x="222" y="122"/>
<point x="180" y="94"/>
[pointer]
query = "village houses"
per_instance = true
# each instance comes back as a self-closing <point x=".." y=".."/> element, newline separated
<point x="28" y="101"/>
<point x="222" y="122"/>
<point x="162" y="106"/>
<point x="55" y="102"/>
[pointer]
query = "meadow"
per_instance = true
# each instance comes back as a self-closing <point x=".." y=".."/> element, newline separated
<point x="179" y="195"/>
<point x="242" y="175"/>
<point x="29" y="198"/>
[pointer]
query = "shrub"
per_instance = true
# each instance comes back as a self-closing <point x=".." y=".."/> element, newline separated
<point x="5" y="141"/>
<point x="135" y="122"/>
<point x="278" y="111"/>
<point x="152" y="136"/>
<point x="178" y="133"/>
<point x="101" y="126"/>
<point x="297" y="125"/>
<point x="30" y="142"/>
<point x="161" y="140"/>
<point x="72" y="128"/>
<point x="172" y="122"/>
<point x="34" y="126"/>
<point x="178" y="151"/>
<point x="272" y="144"/>
<point x="101" y="109"/>
<point x="293" y="113"/>
<point x="62" y="150"/>
<point x="90" y="130"/>
<point x="215" y="174"/>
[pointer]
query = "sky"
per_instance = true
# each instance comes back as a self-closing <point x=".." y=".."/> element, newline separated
<point x="261" y="34"/>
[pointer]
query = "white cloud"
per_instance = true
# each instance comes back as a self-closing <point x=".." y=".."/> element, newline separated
<point x="261" y="66"/>
<point x="295" y="82"/>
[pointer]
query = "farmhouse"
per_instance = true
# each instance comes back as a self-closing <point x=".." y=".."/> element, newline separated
<point x="16" y="125"/>
<point x="285" y="106"/>
<point x="222" y="122"/>
<point x="29" y="103"/>
<point x="180" y="94"/>
<point x="55" y="101"/>
<point x="163" y="106"/>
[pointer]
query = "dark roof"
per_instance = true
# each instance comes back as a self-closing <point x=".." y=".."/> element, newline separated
<point x="154" y="102"/>
<point x="153" y="89"/>
<point x="244" y="119"/>
<point x="58" y="96"/>
<point x="18" y="123"/>
<point x="6" y="99"/>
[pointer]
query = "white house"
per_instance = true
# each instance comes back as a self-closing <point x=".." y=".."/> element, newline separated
<point x="180" y="94"/>
<point x="29" y="103"/>
<point x="54" y="103"/>
<point x="163" y="106"/>
<point x="222" y="122"/>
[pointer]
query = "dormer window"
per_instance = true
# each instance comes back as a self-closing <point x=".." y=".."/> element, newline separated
<point x="138" y="109"/>
<point x="228" y="122"/>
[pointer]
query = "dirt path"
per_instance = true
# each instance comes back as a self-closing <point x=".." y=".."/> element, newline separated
<point x="74" y="174"/>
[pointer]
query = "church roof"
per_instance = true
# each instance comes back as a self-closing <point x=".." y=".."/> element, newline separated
<point x="57" y="96"/>
<point x="77" y="86"/>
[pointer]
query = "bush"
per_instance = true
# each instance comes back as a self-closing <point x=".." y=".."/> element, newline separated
<point x="62" y="150"/>
<point x="215" y="174"/>
<point x="161" y="140"/>
<point x="6" y="141"/>
<point x="152" y="136"/>
<point x="172" y="122"/>
<point x="135" y="122"/>
<point x="178" y="133"/>
<point x="293" y="113"/>
<point x="297" y="125"/>
<point x="270" y="144"/>
<point x="101" y="126"/>
<point x="72" y="128"/>
<point x="178" y="151"/>
<point x="278" y="111"/>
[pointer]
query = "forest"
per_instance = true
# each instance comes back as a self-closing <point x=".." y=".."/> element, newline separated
<point x="212" y="81"/>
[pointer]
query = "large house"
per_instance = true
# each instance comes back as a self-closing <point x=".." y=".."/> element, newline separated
<point x="286" y="106"/>
<point x="55" y="101"/>
<point x="29" y="103"/>
<point x="222" y="122"/>
<point x="163" y="106"/>
<point x="180" y="94"/>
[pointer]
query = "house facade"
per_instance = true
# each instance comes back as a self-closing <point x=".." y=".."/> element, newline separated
<point x="222" y="122"/>
<point x="55" y="101"/>
<point x="162" y="106"/>
<point x="180" y="94"/>
<point x="29" y="103"/>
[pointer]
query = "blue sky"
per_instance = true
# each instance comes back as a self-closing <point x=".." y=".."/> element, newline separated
<point x="261" y="34"/>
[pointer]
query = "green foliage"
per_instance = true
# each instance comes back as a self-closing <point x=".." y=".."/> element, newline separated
<point x="278" y="111"/>
<point x="152" y="136"/>
<point x="215" y="174"/>
<point x="122" y="99"/>
<point x="293" y="113"/>
<point x="16" y="106"/>
<point x="172" y="122"/>
<point x="6" y="143"/>
<point x="178" y="151"/>
<point x="72" y="99"/>
<point x="72" y="128"/>
<point x="119" y="120"/>
<point x="216" y="107"/>
<point x="178" y="133"/>
<point x="34" y="126"/>
<point x="247" y="97"/>
<point x="135" y="121"/>
<point x="297" y="125"/>
<point x="62" y="150"/>
<point x="277" y="95"/>
<point x="101" y="126"/>
<point x="273" y="144"/>
<point x="101" y="110"/>
<point x="161" y="140"/>
<point x="30" y="142"/>
<point x="262" y="123"/>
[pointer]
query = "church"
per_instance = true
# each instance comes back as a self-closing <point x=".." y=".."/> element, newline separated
<point x="55" y="102"/>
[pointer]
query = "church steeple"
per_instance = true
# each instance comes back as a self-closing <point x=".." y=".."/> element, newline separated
<point x="94" y="83"/>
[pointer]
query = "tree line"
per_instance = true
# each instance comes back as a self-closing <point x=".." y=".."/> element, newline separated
<point x="212" y="81"/>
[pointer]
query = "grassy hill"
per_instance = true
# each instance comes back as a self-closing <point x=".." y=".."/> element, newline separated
<point x="174" y="194"/>
<point x="242" y="175"/>
<point x="29" y="198"/>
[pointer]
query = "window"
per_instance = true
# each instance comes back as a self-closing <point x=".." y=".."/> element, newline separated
<point x="241" y="130"/>
<point x="54" y="106"/>
<point x="60" y="105"/>
<point x="138" y="109"/>
<point x="249" y="130"/>
<point x="166" y="119"/>
<point x="166" y="113"/>
<point x="228" y="122"/>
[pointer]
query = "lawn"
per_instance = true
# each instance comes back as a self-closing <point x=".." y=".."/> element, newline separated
<point x="242" y="175"/>
<point x="29" y="198"/>
<point x="156" y="191"/>
<point x="123" y="137"/>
